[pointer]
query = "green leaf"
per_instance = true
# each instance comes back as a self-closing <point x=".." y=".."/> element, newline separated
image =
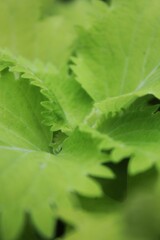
<point x="64" y="127"/>
<point x="65" y="104"/>
<point x="33" y="36"/>
<point x="92" y="225"/>
<point x="20" y="124"/>
<point x="53" y="114"/>
<point x="74" y="101"/>
<point x="131" y="133"/>
<point x="29" y="29"/>
<point x="10" y="228"/>
<point x="118" y="59"/>
<point x="36" y="181"/>
<point x="138" y="219"/>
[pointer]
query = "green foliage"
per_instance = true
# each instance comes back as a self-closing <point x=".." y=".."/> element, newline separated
<point x="79" y="120"/>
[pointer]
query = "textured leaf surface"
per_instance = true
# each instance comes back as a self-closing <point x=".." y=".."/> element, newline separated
<point x="20" y="67"/>
<point x="74" y="101"/>
<point x="46" y="173"/>
<point x="65" y="102"/>
<point x="35" y="180"/>
<point x="118" y="59"/>
<point x="39" y="182"/>
<point x="20" y="124"/>
<point x="133" y="132"/>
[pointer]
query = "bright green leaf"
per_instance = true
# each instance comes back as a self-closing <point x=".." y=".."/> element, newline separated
<point x="118" y="59"/>
<point x="131" y="133"/>
<point x="36" y="181"/>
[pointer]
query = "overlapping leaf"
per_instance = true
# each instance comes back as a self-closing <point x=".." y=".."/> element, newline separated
<point x="119" y="58"/>
<point x="134" y="220"/>
<point x="74" y="101"/>
<point x="131" y="133"/>
<point x="96" y="226"/>
<point x="117" y="68"/>
<point x="32" y="179"/>
<point x="117" y="62"/>
<point x="66" y="104"/>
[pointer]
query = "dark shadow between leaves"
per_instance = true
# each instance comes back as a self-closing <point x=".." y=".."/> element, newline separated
<point x="154" y="102"/>
<point x="65" y="1"/>
<point x="60" y="229"/>
<point x="109" y="2"/>
<point x="30" y="231"/>
<point x="116" y="188"/>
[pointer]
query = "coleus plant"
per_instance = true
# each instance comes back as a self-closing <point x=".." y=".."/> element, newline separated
<point x="78" y="133"/>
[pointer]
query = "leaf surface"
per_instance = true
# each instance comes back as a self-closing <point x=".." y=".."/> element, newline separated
<point x="118" y="59"/>
<point x="36" y="181"/>
<point x="130" y="133"/>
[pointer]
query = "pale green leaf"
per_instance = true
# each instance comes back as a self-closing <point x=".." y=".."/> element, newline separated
<point x="37" y="180"/>
<point x="65" y="104"/>
<point x="118" y="59"/>
<point x="130" y="133"/>
<point x="30" y="28"/>
<point x="74" y="101"/>
<point x="33" y="180"/>
<point x="95" y="225"/>
<point x="11" y="227"/>
<point x="20" y="110"/>
<point x="138" y="219"/>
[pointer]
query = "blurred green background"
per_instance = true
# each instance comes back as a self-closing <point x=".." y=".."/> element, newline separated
<point x="43" y="29"/>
